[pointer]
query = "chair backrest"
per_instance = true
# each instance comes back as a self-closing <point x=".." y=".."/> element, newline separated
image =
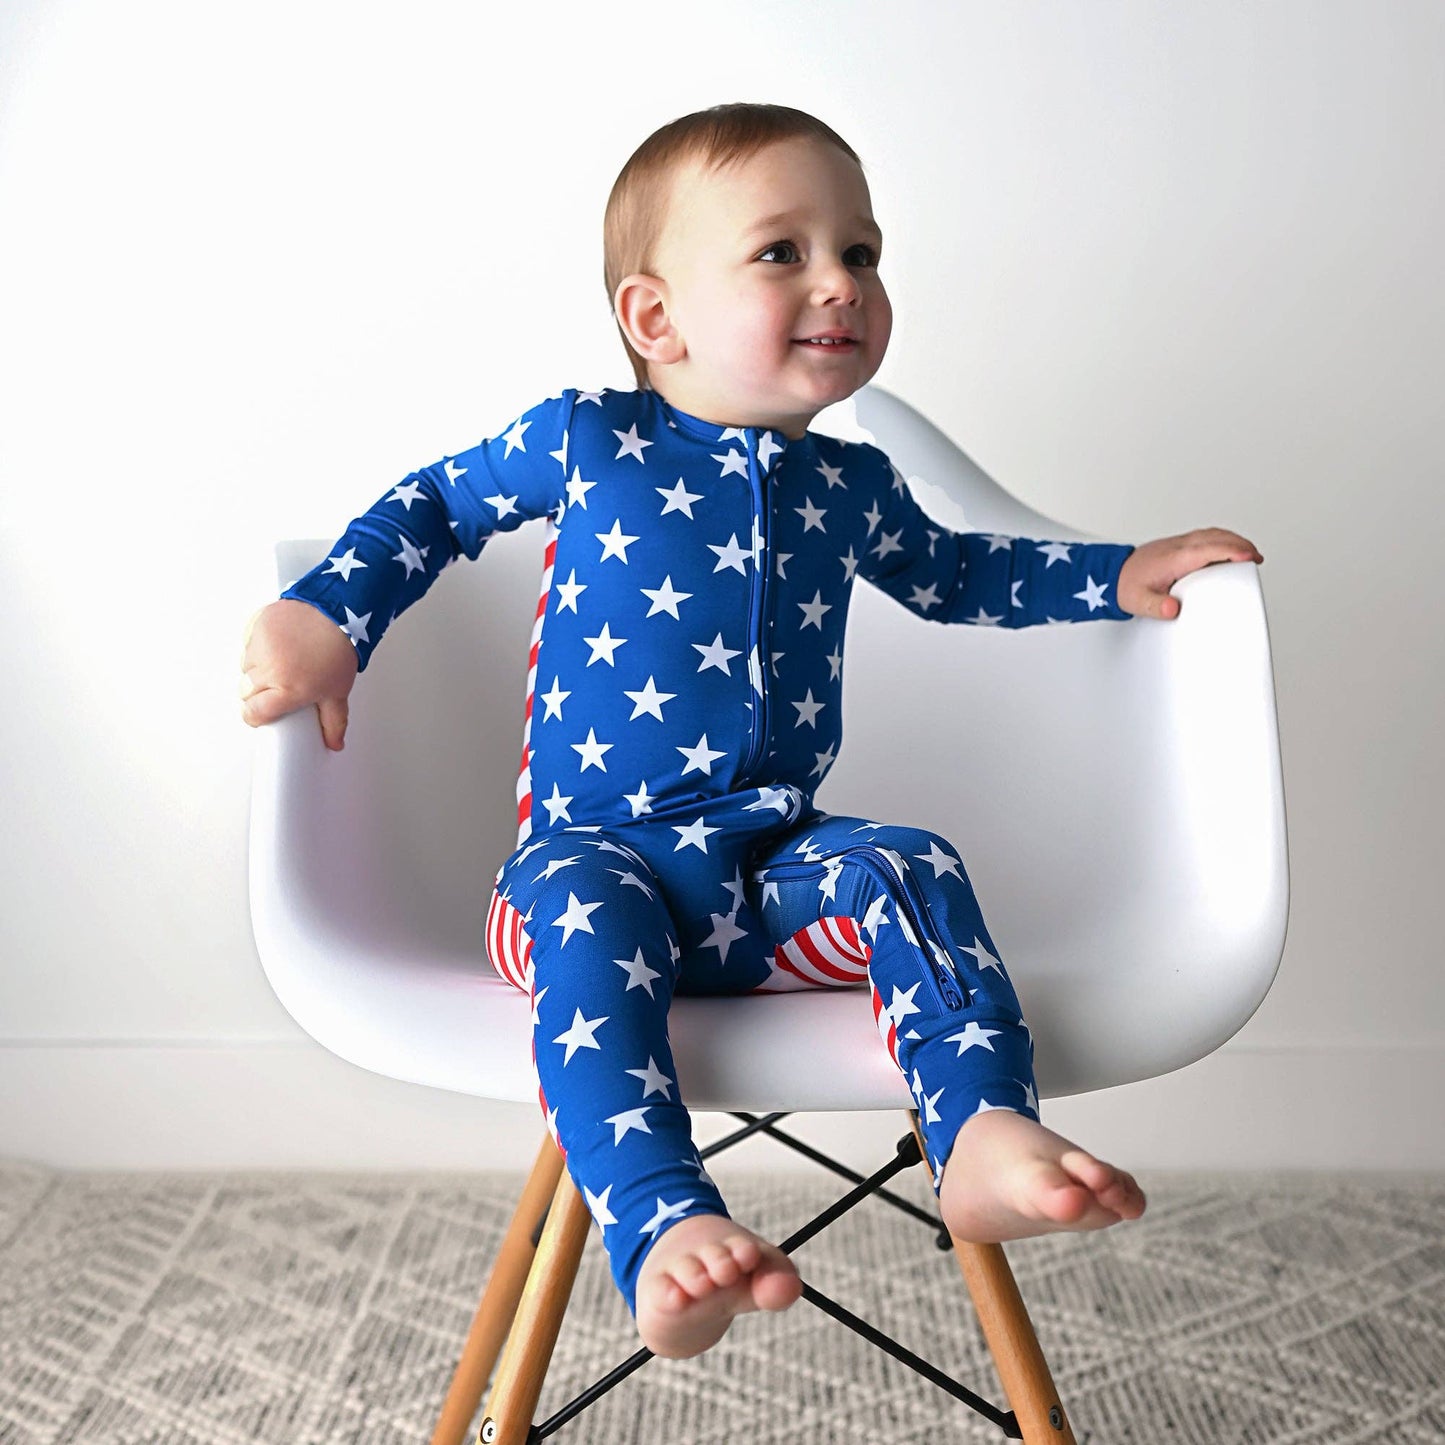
<point x="1114" y="790"/>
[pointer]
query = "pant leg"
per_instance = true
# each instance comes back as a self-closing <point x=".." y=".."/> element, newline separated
<point x="602" y="969"/>
<point x="944" y="1005"/>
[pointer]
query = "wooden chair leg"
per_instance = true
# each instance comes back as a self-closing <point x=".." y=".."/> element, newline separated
<point x="1022" y="1370"/>
<point x="499" y="1300"/>
<point x="507" y="1419"/>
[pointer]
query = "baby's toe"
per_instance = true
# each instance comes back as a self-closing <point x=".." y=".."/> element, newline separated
<point x="722" y="1264"/>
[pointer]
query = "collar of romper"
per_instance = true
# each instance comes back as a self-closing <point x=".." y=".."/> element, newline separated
<point x="766" y="444"/>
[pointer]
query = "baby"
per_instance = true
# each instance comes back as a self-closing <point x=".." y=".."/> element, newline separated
<point x="700" y="548"/>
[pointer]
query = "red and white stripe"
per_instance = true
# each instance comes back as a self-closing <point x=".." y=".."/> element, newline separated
<point x="828" y="953"/>
<point x="524" y="777"/>
<point x="887" y="1029"/>
<point x="508" y="945"/>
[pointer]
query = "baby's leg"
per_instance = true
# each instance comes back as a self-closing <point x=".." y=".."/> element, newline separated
<point x="602" y="959"/>
<point x="951" y="1019"/>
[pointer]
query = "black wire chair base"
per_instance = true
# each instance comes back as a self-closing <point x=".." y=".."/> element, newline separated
<point x="907" y="1155"/>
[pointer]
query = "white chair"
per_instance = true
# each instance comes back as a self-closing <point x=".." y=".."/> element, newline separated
<point x="1114" y="789"/>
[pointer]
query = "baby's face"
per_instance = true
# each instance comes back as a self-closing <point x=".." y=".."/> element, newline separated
<point x="758" y="258"/>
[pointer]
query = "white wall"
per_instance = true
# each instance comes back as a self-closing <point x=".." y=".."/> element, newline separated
<point x="1156" y="266"/>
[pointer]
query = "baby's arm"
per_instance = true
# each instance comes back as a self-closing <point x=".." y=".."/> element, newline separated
<point x="390" y="556"/>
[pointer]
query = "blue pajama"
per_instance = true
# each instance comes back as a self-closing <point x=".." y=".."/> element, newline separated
<point x="684" y="705"/>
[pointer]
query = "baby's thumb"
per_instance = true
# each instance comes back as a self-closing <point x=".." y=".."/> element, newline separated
<point x="333" y="714"/>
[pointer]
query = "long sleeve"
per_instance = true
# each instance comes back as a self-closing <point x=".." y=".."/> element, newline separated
<point x="390" y="555"/>
<point x="980" y="578"/>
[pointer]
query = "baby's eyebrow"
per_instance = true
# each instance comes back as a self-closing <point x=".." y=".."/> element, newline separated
<point x="768" y="223"/>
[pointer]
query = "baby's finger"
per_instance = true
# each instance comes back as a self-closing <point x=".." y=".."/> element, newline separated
<point x="333" y="713"/>
<point x="265" y="705"/>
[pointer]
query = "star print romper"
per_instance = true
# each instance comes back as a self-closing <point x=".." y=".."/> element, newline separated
<point x="684" y="704"/>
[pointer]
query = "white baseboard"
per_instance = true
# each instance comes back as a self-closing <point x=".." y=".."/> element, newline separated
<point x="290" y="1105"/>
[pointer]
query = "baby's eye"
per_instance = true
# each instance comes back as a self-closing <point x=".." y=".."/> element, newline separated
<point x="778" y="246"/>
<point x="869" y="256"/>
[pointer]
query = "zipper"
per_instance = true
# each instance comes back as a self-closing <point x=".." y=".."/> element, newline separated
<point x="759" y="612"/>
<point x="947" y="989"/>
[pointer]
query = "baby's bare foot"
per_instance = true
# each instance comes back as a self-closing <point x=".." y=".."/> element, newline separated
<point x="1009" y="1177"/>
<point x="702" y="1272"/>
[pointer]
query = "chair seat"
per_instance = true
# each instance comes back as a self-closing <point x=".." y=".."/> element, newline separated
<point x="1113" y="789"/>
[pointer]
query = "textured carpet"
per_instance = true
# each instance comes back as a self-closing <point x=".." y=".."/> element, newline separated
<point x="176" y="1309"/>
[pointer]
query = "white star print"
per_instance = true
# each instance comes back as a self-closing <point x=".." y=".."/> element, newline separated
<point x="812" y="516"/>
<point x="577" y="490"/>
<point x="730" y="556"/>
<point x="615" y="543"/>
<point x="983" y="619"/>
<point x="664" y="599"/>
<point x="813" y="611"/>
<point x="638" y="975"/>
<point x="345" y="564"/>
<point x="902" y="1004"/>
<point x="408" y="493"/>
<point x="355" y="627"/>
<point x="649" y="700"/>
<point x="631" y="880"/>
<point x="808" y="710"/>
<point x="664" y="1213"/>
<point x="700" y="757"/>
<point x="554" y="700"/>
<point x="575" y="917"/>
<point x="888" y="542"/>
<point x="632" y="444"/>
<point x="592" y="751"/>
<point x="628" y="1120"/>
<point x="714" y="654"/>
<point x="570" y="591"/>
<point x="984" y="957"/>
<point x="603" y="646"/>
<point x="779" y="798"/>
<point x="679" y="499"/>
<point x="695" y="834"/>
<point x="733" y="462"/>
<point x="1055" y="552"/>
<point x="641" y="800"/>
<point x="410" y="557"/>
<point x="874" y="919"/>
<point x="514" y="437"/>
<point x="940" y="861"/>
<point x="973" y="1037"/>
<point x="453" y="471"/>
<point x="597" y="1203"/>
<point x="653" y="1079"/>
<point x="1093" y="593"/>
<point x="556" y="806"/>
<point x="579" y="1035"/>
<point x="503" y="505"/>
<point x="725" y="933"/>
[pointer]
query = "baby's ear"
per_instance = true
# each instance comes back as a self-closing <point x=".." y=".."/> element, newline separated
<point x="641" y="308"/>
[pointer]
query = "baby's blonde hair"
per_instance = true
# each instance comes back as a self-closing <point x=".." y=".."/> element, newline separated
<point x="637" y="208"/>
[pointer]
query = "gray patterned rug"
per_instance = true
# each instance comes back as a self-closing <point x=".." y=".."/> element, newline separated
<point x="177" y="1309"/>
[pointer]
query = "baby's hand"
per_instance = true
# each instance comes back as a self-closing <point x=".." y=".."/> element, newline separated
<point x="293" y="656"/>
<point x="1151" y="570"/>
